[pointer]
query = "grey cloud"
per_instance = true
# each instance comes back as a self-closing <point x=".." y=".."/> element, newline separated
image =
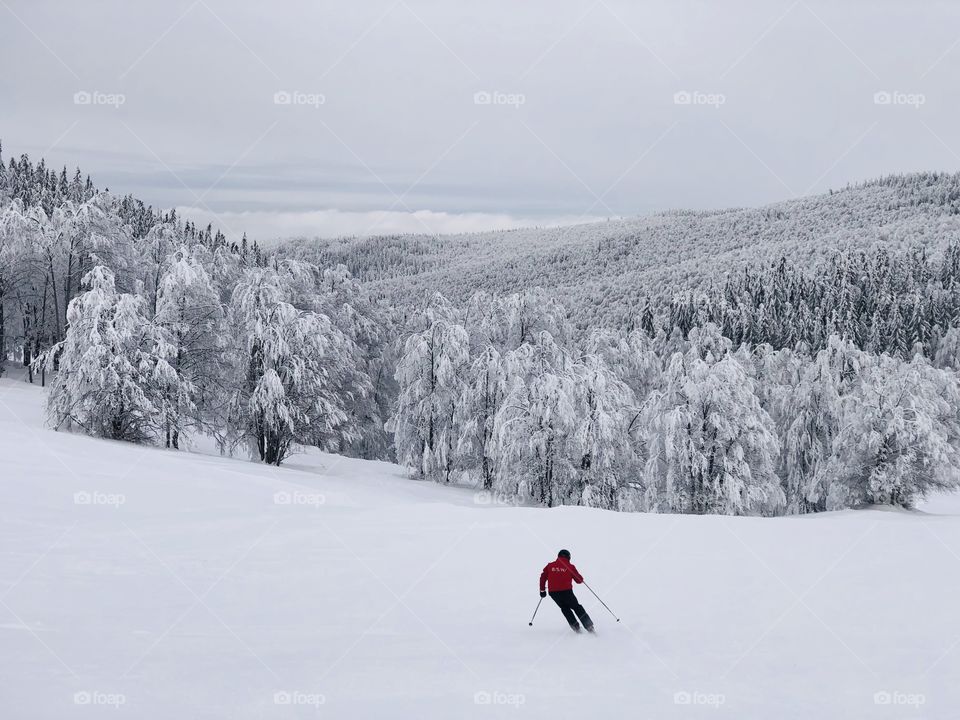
<point x="599" y="116"/>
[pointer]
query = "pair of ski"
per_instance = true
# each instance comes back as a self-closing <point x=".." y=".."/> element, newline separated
<point x="577" y="630"/>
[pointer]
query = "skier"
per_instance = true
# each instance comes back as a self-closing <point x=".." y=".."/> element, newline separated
<point x="560" y="576"/>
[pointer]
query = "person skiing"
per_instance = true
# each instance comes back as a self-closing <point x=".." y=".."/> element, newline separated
<point x="560" y="575"/>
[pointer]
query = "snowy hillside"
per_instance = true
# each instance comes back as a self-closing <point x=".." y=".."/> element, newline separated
<point x="603" y="271"/>
<point x="172" y="584"/>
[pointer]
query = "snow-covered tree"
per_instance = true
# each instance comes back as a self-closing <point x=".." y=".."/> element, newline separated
<point x="605" y="406"/>
<point x="286" y="371"/>
<point x="13" y="265"/>
<point x="483" y="390"/>
<point x="369" y="359"/>
<point x="900" y="436"/>
<point x="948" y="349"/>
<point x="809" y="420"/>
<point x="809" y="411"/>
<point x="527" y="314"/>
<point x="108" y="377"/>
<point x="631" y="356"/>
<point x="189" y="324"/>
<point x="430" y="377"/>
<point x="160" y="250"/>
<point x="485" y="321"/>
<point x="710" y="447"/>
<point x="70" y="241"/>
<point x="533" y="432"/>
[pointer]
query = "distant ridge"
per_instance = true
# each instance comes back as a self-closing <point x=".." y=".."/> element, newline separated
<point x="603" y="271"/>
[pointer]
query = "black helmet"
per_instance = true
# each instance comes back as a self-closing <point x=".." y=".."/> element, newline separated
<point x="564" y="554"/>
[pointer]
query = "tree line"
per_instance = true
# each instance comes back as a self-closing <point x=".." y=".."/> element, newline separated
<point x="605" y="270"/>
<point x="155" y="330"/>
<point x="783" y="389"/>
<point x="899" y="303"/>
<point x="501" y="395"/>
<point x="54" y="230"/>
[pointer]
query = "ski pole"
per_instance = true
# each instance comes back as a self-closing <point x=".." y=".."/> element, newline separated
<point x="601" y="601"/>
<point x="535" y="611"/>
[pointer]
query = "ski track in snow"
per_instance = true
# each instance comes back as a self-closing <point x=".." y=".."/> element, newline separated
<point x="183" y="585"/>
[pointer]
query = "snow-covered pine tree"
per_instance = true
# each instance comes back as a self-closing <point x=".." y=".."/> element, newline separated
<point x="948" y="349"/>
<point x="648" y="322"/>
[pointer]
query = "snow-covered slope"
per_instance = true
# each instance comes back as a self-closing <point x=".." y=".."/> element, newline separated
<point x="179" y="585"/>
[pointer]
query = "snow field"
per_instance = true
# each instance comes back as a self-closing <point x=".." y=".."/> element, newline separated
<point x="154" y="584"/>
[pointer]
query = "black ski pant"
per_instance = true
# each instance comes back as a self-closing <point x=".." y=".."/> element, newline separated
<point x="571" y="608"/>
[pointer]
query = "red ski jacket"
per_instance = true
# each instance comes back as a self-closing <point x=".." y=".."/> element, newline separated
<point x="560" y="574"/>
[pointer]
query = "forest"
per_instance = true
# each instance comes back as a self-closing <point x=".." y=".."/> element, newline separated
<point x="799" y="358"/>
<point x="604" y="271"/>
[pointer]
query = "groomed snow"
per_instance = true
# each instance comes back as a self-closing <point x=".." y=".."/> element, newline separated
<point x="144" y="583"/>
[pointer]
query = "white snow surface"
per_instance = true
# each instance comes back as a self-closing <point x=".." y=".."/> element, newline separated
<point x="145" y="583"/>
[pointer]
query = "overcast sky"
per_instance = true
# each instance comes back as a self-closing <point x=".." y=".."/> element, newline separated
<point x="355" y="117"/>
